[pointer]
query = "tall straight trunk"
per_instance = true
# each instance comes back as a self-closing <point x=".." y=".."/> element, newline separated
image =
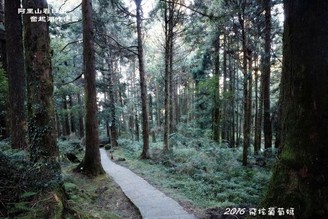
<point x="246" y="103"/>
<point x="238" y="108"/>
<point x="16" y="74"/>
<point x="249" y="95"/>
<point x="90" y="164"/>
<point x="113" y="123"/>
<point x="41" y="115"/>
<point x="171" y="76"/>
<point x="300" y="177"/>
<point x="58" y="126"/>
<point x="143" y="85"/>
<point x="66" y="117"/>
<point x="267" y="127"/>
<point x="81" y="125"/>
<point x="158" y="108"/>
<point x="216" y="98"/>
<point x="258" y="113"/>
<point x="71" y="113"/>
<point x="2" y="8"/>
<point x="232" y="81"/>
<point x="177" y="100"/>
<point x="3" y="52"/>
<point x="166" y="81"/>
<point x="151" y="117"/>
<point x="136" y="123"/>
<point x="123" y="116"/>
<point x="224" y="92"/>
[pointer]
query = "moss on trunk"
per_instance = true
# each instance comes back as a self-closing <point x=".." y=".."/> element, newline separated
<point x="300" y="177"/>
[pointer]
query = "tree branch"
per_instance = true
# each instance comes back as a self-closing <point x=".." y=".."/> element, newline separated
<point x="124" y="47"/>
<point x="77" y="78"/>
<point x="210" y="16"/>
<point x="76" y="41"/>
<point x="74" y="8"/>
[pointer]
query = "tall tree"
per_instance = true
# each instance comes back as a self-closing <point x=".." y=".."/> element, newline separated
<point x="16" y="74"/>
<point x="3" y="37"/>
<point x="267" y="127"/>
<point x="143" y="85"/>
<point x="113" y="125"/>
<point x="41" y="116"/>
<point x="90" y="164"/>
<point x="167" y="57"/>
<point x="216" y="97"/>
<point x="300" y="176"/>
<point x="246" y="84"/>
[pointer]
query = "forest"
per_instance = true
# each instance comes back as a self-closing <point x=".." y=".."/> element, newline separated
<point x="163" y="109"/>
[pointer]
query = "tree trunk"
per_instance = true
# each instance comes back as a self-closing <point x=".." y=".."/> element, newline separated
<point x="300" y="176"/>
<point x="81" y="125"/>
<point x="91" y="164"/>
<point x="232" y="82"/>
<point x="71" y="113"/>
<point x="267" y="128"/>
<point x="16" y="74"/>
<point x="136" y="123"/>
<point x="246" y="124"/>
<point x="166" y="80"/>
<point x="171" y="83"/>
<point x="111" y="93"/>
<point x="3" y="52"/>
<point x="216" y="98"/>
<point x="258" y="113"/>
<point x="143" y="86"/>
<point x="41" y="115"/>
<point x="66" y="119"/>
<point x="224" y="113"/>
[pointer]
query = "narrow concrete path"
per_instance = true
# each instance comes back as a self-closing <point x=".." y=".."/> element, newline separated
<point x="151" y="203"/>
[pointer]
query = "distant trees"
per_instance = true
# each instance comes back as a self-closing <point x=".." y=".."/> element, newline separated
<point x="300" y="177"/>
<point x="91" y="164"/>
<point x="212" y="62"/>
<point x="172" y="16"/>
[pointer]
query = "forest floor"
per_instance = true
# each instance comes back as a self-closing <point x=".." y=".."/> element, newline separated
<point x="85" y="198"/>
<point x="203" y="177"/>
<point x="98" y="198"/>
<point x="205" y="181"/>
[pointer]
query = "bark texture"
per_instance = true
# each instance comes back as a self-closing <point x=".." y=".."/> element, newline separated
<point x="91" y="164"/>
<point x="41" y="116"/>
<point x="300" y="177"/>
<point x="16" y="74"/>
<point x="267" y="127"/>
<point x="143" y="86"/>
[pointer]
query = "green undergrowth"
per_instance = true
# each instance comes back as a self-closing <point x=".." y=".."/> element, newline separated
<point x="198" y="170"/>
<point x="25" y="195"/>
<point x="97" y="198"/>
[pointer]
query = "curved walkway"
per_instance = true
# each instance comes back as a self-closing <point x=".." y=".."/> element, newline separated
<point x="151" y="203"/>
